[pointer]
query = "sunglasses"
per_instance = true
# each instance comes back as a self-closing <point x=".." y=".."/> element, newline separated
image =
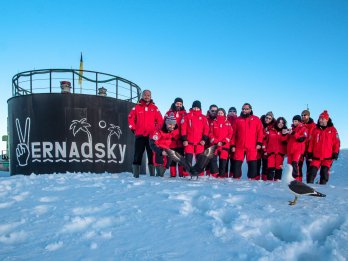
<point x="268" y="118"/>
<point x="213" y="110"/>
<point x="303" y="115"/>
<point x="246" y="109"/>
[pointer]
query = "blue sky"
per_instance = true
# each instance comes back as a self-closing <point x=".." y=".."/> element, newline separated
<point x="276" y="55"/>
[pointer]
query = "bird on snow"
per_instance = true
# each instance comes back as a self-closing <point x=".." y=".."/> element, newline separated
<point x="297" y="187"/>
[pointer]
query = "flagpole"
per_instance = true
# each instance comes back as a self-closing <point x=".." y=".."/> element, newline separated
<point x="81" y="72"/>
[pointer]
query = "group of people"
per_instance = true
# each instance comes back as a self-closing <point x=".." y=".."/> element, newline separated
<point x="263" y="142"/>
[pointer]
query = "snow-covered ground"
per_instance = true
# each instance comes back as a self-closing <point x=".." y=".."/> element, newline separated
<point x="116" y="217"/>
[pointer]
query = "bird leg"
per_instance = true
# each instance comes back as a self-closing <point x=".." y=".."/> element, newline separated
<point x="291" y="203"/>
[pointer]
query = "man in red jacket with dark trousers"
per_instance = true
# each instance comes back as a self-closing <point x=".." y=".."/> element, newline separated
<point x="310" y="125"/>
<point x="194" y="132"/>
<point x="246" y="141"/>
<point x="143" y="120"/>
<point x="324" y="145"/>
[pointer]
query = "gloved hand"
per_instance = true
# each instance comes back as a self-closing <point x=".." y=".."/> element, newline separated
<point x="302" y="139"/>
<point x="334" y="156"/>
<point x="309" y="155"/>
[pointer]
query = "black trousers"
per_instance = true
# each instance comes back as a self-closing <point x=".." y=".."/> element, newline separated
<point x="142" y="143"/>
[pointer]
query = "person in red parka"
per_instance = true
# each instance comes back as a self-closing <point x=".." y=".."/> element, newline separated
<point x="246" y="141"/>
<point x="164" y="139"/>
<point x="194" y="132"/>
<point x="143" y="120"/>
<point x="179" y="111"/>
<point x="310" y="125"/>
<point x="296" y="145"/>
<point x="324" y="146"/>
<point x="267" y="121"/>
<point x="275" y="148"/>
<point x="211" y="116"/>
<point x="220" y="133"/>
<point x="231" y="117"/>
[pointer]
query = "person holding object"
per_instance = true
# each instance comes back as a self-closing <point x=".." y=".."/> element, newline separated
<point x="275" y="148"/>
<point x="296" y="145"/>
<point x="162" y="140"/>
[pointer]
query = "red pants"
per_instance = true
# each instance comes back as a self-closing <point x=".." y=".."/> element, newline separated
<point x="251" y="154"/>
<point x="194" y="149"/>
<point x="319" y="163"/>
<point x="275" y="161"/>
<point x="222" y="153"/>
<point x="294" y="157"/>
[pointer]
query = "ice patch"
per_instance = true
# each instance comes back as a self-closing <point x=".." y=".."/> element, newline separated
<point x="54" y="246"/>
<point x="6" y="204"/>
<point x="93" y="246"/>
<point x="103" y="222"/>
<point x="21" y="196"/>
<point x="41" y="209"/>
<point x="48" y="199"/>
<point x="14" y="237"/>
<point x="90" y="210"/>
<point x="78" y="224"/>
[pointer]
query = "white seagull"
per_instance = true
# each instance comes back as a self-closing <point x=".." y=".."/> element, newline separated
<point x="297" y="187"/>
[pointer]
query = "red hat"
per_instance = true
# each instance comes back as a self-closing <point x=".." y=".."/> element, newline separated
<point x="324" y="115"/>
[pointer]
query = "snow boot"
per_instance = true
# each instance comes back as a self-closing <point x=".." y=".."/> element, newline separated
<point x="271" y="174"/>
<point x="278" y="174"/>
<point x="136" y="170"/>
<point x="160" y="171"/>
<point x="151" y="169"/>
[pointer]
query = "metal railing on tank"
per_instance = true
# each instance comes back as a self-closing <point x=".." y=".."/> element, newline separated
<point x="74" y="81"/>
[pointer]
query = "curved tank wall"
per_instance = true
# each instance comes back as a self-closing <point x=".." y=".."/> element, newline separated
<point x="55" y="133"/>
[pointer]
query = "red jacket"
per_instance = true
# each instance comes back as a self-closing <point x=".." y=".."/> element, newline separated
<point x="144" y="119"/>
<point x="221" y="131"/>
<point x="179" y="115"/>
<point x="194" y="127"/>
<point x="310" y="125"/>
<point x="247" y="132"/>
<point x="275" y="142"/>
<point x="163" y="139"/>
<point x="297" y="139"/>
<point x="324" y="142"/>
<point x="231" y="119"/>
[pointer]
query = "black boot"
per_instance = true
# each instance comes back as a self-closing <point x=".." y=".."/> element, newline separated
<point x="324" y="175"/>
<point x="151" y="170"/>
<point x="252" y="170"/>
<point x="271" y="174"/>
<point x="294" y="169"/>
<point x="222" y="167"/>
<point x="312" y="173"/>
<point x="160" y="171"/>
<point x="237" y="169"/>
<point x="278" y="174"/>
<point x="136" y="170"/>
